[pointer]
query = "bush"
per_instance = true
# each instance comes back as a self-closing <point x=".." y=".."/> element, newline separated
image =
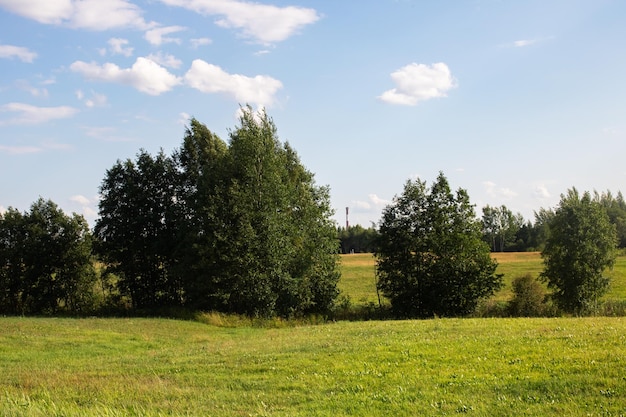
<point x="528" y="298"/>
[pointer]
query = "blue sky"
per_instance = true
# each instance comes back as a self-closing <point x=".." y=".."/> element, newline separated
<point x="515" y="101"/>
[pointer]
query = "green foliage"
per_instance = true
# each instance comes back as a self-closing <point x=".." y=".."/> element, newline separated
<point x="528" y="297"/>
<point x="357" y="239"/>
<point x="149" y="367"/>
<point x="500" y="227"/>
<point x="238" y="228"/>
<point x="358" y="285"/>
<point x="581" y="245"/>
<point x="137" y="227"/>
<point x="616" y="210"/>
<point x="431" y="259"/>
<point x="45" y="261"/>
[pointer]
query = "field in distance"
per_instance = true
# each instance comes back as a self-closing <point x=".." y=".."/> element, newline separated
<point x="158" y="367"/>
<point x="358" y="279"/>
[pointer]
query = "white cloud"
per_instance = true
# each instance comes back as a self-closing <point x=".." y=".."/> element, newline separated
<point x="119" y="46"/>
<point x="34" y="91"/>
<point x="541" y="191"/>
<point x="521" y="43"/>
<point x="208" y="78"/>
<point x="165" y="60"/>
<point x="419" y="82"/>
<point x="29" y="149"/>
<point x="105" y="133"/>
<point x="87" y="206"/>
<point x="80" y="199"/>
<point x="43" y="11"/>
<point x="524" y="42"/>
<point x="145" y="75"/>
<point x="374" y="202"/>
<point x="20" y="150"/>
<point x="28" y="114"/>
<point x="197" y="42"/>
<point x="2" y="210"/>
<point x="377" y="201"/>
<point x="19" y="52"/>
<point x="260" y="22"/>
<point x="84" y="14"/>
<point x="493" y="191"/>
<point x="157" y="36"/>
<point x="96" y="100"/>
<point x="184" y="118"/>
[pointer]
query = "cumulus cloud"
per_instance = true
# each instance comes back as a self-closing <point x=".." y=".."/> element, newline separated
<point x="80" y="199"/>
<point x="157" y="36"/>
<point x="96" y="100"/>
<point x="419" y="82"/>
<point x="19" y="52"/>
<point x="28" y="114"/>
<point x="541" y="191"/>
<point x="87" y="206"/>
<point x="373" y="202"/>
<point x="84" y="14"/>
<point x="165" y="60"/>
<point x="208" y="78"/>
<point x="120" y="46"/>
<point x="184" y="118"/>
<point x="145" y="75"/>
<point x="494" y="191"/>
<point x="197" y="42"/>
<point x="260" y="22"/>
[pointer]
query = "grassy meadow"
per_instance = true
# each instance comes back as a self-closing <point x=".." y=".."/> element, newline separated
<point x="359" y="275"/>
<point x="159" y="367"/>
<point x="223" y="366"/>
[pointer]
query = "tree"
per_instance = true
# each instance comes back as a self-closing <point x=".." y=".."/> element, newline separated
<point x="203" y="228"/>
<point x="236" y="228"/>
<point x="431" y="259"/>
<point x="137" y="229"/>
<point x="500" y="227"/>
<point x="616" y="209"/>
<point x="277" y="245"/>
<point x="357" y="239"/>
<point x="581" y="245"/>
<point x="45" y="261"/>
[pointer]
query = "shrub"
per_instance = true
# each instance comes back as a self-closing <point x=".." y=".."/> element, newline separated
<point x="528" y="297"/>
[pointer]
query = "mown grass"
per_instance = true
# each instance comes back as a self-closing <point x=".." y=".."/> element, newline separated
<point x="157" y="367"/>
<point x="359" y="275"/>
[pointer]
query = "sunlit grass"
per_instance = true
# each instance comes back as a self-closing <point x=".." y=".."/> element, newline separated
<point x="359" y="275"/>
<point x="358" y="278"/>
<point x="151" y="367"/>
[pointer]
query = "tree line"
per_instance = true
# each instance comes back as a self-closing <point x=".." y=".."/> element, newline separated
<point x="502" y="230"/>
<point x="242" y="227"/>
<point x="235" y="227"/>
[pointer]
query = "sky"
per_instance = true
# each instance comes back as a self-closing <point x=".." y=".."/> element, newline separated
<point x="514" y="101"/>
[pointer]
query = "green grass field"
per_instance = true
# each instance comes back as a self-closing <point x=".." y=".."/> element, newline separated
<point x="221" y="366"/>
<point x="158" y="367"/>
<point x="359" y="276"/>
